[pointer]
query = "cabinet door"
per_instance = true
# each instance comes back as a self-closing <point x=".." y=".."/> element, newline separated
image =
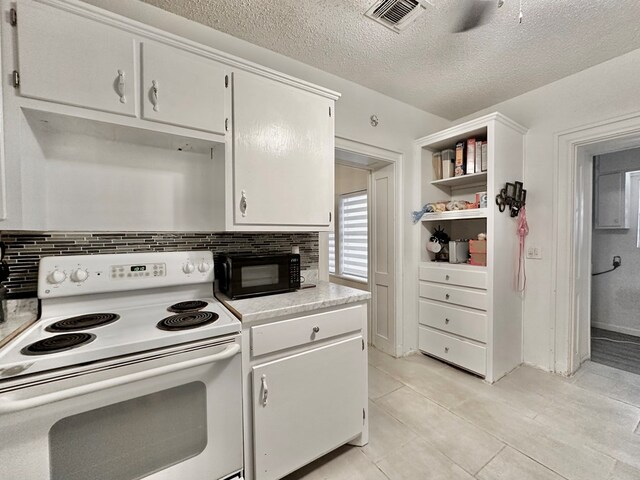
<point x="306" y="405"/>
<point x="182" y="88"/>
<point x="283" y="153"/>
<point x="69" y="59"/>
<point x="611" y="201"/>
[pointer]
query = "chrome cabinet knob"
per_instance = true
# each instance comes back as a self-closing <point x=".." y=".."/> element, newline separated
<point x="447" y="296"/>
<point x="316" y="329"/>
<point x="446" y="277"/>
<point x="446" y="321"/>
<point x="446" y="349"/>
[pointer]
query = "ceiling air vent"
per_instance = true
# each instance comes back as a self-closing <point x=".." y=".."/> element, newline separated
<point x="396" y="14"/>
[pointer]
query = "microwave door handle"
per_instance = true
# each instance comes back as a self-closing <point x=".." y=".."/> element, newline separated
<point x="11" y="406"/>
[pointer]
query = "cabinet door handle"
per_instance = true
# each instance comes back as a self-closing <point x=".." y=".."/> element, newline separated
<point x="154" y="95"/>
<point x="446" y="349"/>
<point x="316" y="329"/>
<point x="447" y="296"/>
<point x="446" y="277"/>
<point x="121" y="86"/>
<point x="265" y="390"/>
<point x="243" y="203"/>
<point x="446" y="321"/>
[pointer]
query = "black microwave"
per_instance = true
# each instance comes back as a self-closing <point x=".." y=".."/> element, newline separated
<point x="241" y="276"/>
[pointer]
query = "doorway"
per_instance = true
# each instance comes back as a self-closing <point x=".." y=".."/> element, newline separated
<point x="572" y="235"/>
<point x="363" y="252"/>
<point x="615" y="260"/>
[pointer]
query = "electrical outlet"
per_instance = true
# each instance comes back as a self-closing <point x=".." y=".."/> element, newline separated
<point x="534" y="253"/>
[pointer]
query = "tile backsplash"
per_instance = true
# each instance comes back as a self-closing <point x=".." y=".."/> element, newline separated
<point x="24" y="249"/>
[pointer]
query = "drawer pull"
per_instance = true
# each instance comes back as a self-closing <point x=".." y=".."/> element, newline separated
<point x="446" y="277"/>
<point x="446" y="321"/>
<point x="447" y="296"/>
<point x="316" y="329"/>
<point x="265" y="391"/>
<point x="446" y="349"/>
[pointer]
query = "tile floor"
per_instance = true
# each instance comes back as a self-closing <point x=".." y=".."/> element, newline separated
<point x="431" y="421"/>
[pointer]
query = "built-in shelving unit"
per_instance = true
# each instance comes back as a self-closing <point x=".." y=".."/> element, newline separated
<point x="471" y="316"/>
<point x="471" y="179"/>
<point x="455" y="215"/>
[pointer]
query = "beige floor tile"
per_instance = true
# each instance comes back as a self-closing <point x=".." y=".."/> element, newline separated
<point x="345" y="463"/>
<point x="385" y="434"/>
<point x="381" y="383"/>
<point x="610" y="387"/>
<point x="419" y="460"/>
<point x="624" y="472"/>
<point x="423" y="359"/>
<point x="610" y="372"/>
<point x="447" y="390"/>
<point x="376" y="357"/>
<point x="461" y="441"/>
<point x="560" y="451"/>
<point x="510" y="464"/>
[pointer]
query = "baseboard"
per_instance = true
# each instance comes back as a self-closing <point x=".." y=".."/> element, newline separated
<point x="615" y="328"/>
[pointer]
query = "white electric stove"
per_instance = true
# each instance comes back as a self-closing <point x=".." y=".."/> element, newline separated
<point x="129" y="347"/>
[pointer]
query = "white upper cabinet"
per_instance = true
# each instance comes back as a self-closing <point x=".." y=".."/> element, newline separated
<point x="283" y="154"/>
<point x="611" y="201"/>
<point x="182" y="88"/>
<point x="73" y="60"/>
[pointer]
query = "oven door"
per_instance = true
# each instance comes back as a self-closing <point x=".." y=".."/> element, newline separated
<point x="167" y="415"/>
<point x="260" y="275"/>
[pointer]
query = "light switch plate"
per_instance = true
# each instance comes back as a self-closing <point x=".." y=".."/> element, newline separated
<point x="534" y="253"/>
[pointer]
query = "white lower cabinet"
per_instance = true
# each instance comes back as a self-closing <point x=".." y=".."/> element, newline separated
<point x="305" y="405"/>
<point x="455" y="350"/>
<point x="305" y="389"/>
<point x="453" y="318"/>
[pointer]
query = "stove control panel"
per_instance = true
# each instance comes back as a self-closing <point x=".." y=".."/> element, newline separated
<point x="84" y="274"/>
<point x="127" y="272"/>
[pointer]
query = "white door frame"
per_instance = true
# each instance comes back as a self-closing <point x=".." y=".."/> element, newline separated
<point x="574" y="148"/>
<point x="389" y="157"/>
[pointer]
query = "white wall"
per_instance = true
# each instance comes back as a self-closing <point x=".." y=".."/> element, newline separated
<point x="615" y="296"/>
<point x="399" y="124"/>
<point x="604" y="91"/>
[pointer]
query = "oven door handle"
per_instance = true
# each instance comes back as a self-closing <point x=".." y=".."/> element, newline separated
<point x="11" y="406"/>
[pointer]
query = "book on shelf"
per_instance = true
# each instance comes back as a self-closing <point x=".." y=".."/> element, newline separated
<point x="478" y="164"/>
<point x="437" y="165"/>
<point x="459" y="169"/>
<point x="484" y="157"/>
<point x="471" y="156"/>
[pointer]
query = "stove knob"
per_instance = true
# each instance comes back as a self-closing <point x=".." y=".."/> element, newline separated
<point x="204" y="267"/>
<point x="56" y="277"/>
<point x="188" y="267"/>
<point x="79" y="275"/>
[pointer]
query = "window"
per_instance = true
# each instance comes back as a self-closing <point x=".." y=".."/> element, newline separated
<point x="348" y="255"/>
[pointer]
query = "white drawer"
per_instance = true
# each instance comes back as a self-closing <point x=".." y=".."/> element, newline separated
<point x="272" y="337"/>
<point x="454" y="350"/>
<point x="460" y="321"/>
<point x="454" y="295"/>
<point x="461" y="276"/>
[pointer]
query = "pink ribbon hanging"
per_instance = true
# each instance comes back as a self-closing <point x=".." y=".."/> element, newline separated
<point x="522" y="231"/>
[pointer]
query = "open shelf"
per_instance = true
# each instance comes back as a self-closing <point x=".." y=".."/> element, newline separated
<point x="449" y="266"/>
<point x="471" y="179"/>
<point x="455" y="215"/>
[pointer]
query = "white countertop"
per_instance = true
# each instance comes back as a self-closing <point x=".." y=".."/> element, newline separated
<point x="324" y="295"/>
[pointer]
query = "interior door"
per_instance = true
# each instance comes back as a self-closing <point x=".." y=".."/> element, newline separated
<point x="582" y="268"/>
<point x="283" y="162"/>
<point x="306" y="405"/>
<point x="182" y="88"/>
<point x="73" y="60"/>
<point x="383" y="285"/>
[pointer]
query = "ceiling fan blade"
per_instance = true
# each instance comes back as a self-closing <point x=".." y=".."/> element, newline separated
<point x="474" y="14"/>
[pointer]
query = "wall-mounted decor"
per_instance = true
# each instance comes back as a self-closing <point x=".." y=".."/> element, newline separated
<point x="512" y="196"/>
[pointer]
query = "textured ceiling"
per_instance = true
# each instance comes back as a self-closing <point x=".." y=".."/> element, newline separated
<point x="427" y="66"/>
